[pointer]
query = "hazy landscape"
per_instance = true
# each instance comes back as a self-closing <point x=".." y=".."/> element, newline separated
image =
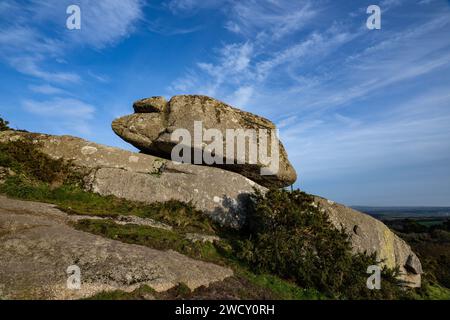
<point x="385" y="213"/>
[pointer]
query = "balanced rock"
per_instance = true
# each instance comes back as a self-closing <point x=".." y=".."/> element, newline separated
<point x="150" y="130"/>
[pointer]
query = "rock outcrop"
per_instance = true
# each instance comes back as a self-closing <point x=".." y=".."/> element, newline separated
<point x="37" y="246"/>
<point x="372" y="236"/>
<point x="223" y="195"/>
<point x="151" y="127"/>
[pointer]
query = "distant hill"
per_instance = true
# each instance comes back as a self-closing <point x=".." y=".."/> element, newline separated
<point x="404" y="212"/>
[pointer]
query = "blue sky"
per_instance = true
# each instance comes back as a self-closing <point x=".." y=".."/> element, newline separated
<point x="364" y="114"/>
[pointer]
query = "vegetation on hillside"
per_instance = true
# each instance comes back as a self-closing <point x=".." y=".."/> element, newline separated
<point x="291" y="237"/>
<point x="432" y="245"/>
<point x="288" y="250"/>
<point x="28" y="183"/>
<point x="41" y="178"/>
<point x="4" y="125"/>
<point x="23" y="157"/>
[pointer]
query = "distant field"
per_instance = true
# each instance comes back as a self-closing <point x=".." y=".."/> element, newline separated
<point x="431" y="214"/>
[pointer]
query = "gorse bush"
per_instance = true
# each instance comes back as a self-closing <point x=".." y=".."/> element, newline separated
<point x="291" y="237"/>
<point x="23" y="157"/>
<point x="4" y="125"/>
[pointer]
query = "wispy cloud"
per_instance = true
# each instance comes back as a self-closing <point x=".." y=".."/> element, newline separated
<point x="98" y="77"/>
<point x="30" y="66"/>
<point x="62" y="114"/>
<point x="415" y="131"/>
<point x="389" y="4"/>
<point x="60" y="108"/>
<point x="241" y="97"/>
<point x="241" y="70"/>
<point x="25" y="47"/>
<point x="34" y="36"/>
<point x="397" y="56"/>
<point x="188" y="6"/>
<point x="402" y="56"/>
<point x="269" y="19"/>
<point x="232" y="67"/>
<point x="161" y="27"/>
<point x="104" y="23"/>
<point x="26" y="39"/>
<point x="46" y="89"/>
<point x="424" y="2"/>
<point x="316" y="46"/>
<point x="261" y="19"/>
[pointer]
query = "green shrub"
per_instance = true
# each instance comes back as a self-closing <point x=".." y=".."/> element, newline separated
<point x="4" y="125"/>
<point x="446" y="225"/>
<point x="23" y="157"/>
<point x="411" y="226"/>
<point x="292" y="238"/>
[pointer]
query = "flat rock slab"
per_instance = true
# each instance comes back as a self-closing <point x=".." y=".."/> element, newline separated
<point x="37" y="247"/>
<point x="151" y="127"/>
